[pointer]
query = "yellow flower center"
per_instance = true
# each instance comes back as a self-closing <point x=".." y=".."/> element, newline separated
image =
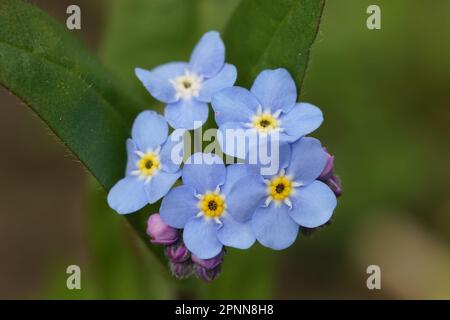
<point x="280" y="188"/>
<point x="265" y="122"/>
<point x="212" y="205"/>
<point x="148" y="164"/>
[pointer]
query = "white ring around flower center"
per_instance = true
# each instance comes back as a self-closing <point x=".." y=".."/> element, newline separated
<point x="187" y="85"/>
<point x="280" y="189"/>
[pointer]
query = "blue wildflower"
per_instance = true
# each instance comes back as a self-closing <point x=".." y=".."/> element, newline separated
<point x="293" y="197"/>
<point x="205" y="206"/>
<point x="187" y="88"/>
<point x="269" y="108"/>
<point x="150" y="171"/>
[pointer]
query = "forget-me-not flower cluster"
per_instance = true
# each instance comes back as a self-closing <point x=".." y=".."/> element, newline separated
<point x="206" y="205"/>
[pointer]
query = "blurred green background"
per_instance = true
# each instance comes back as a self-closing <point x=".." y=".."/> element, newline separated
<point x="385" y="95"/>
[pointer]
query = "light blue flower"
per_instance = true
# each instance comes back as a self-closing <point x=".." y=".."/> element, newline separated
<point x="268" y="110"/>
<point x="293" y="197"/>
<point x="150" y="171"/>
<point x="205" y="206"/>
<point x="187" y="88"/>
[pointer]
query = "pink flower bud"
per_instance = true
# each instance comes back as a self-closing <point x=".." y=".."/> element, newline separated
<point x="329" y="177"/>
<point x="160" y="232"/>
<point x="328" y="170"/>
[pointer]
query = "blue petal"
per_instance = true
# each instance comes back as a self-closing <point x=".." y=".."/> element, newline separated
<point x="275" y="89"/>
<point x="171" y="70"/>
<point x="235" y="234"/>
<point x="304" y="118"/>
<point x="270" y="156"/>
<point x="307" y="161"/>
<point x="204" y="172"/>
<point x="160" y="184"/>
<point x="281" y="158"/>
<point x="235" y="172"/>
<point x="245" y="196"/>
<point x="273" y="226"/>
<point x="235" y="139"/>
<point x="200" y="237"/>
<point x="234" y="104"/>
<point x="149" y="130"/>
<point x="178" y="206"/>
<point x="313" y="205"/>
<point x="224" y="79"/>
<point x="127" y="195"/>
<point x="157" y="81"/>
<point x="208" y="56"/>
<point x="186" y="114"/>
<point x="133" y="158"/>
<point x="174" y="144"/>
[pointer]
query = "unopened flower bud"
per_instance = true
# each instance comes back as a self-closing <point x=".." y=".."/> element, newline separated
<point x="206" y="274"/>
<point x="209" y="263"/>
<point x="159" y="231"/>
<point x="177" y="252"/>
<point x="328" y="170"/>
<point x="329" y="177"/>
<point x="335" y="184"/>
<point x="181" y="270"/>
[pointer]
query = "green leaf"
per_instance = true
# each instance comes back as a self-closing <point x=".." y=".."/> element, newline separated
<point x="271" y="34"/>
<point x="66" y="86"/>
<point x="52" y="72"/>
